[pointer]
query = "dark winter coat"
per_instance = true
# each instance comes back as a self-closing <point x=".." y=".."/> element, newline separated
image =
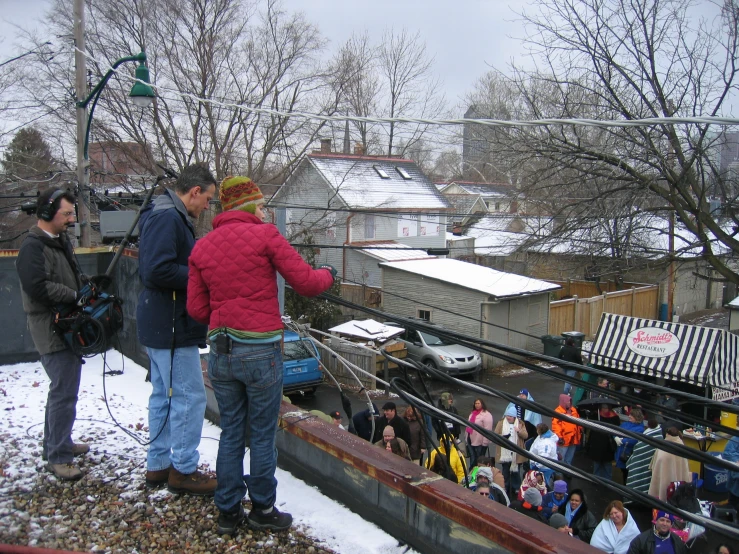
<point x="535" y="512"/>
<point x="233" y="274"/>
<point x="363" y="424"/>
<point x="583" y="523"/>
<point x="417" y="439"/>
<point x="166" y="238"/>
<point x="644" y="544"/>
<point x="570" y="354"/>
<point x="601" y="446"/>
<point x="49" y="275"/>
<point x="400" y="425"/>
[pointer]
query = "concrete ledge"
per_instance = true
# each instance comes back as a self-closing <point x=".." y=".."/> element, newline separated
<point x="413" y="504"/>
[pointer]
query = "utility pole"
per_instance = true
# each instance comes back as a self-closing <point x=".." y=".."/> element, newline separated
<point x="83" y="175"/>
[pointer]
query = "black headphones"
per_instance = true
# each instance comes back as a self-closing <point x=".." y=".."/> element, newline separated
<point x="47" y="211"/>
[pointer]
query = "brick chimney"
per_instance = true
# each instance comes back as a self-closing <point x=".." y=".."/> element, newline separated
<point x="358" y="149"/>
<point x="326" y="146"/>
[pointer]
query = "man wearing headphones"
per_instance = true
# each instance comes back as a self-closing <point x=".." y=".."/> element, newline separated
<point x="50" y="276"/>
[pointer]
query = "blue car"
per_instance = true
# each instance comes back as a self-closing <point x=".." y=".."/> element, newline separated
<point x="302" y="372"/>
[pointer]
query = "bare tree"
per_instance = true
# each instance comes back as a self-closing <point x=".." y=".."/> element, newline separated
<point x="411" y="89"/>
<point x="617" y="59"/>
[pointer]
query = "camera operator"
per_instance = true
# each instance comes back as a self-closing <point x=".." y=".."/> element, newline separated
<point x="49" y="276"/>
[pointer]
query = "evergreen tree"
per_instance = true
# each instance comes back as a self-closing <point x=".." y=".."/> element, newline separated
<point x="27" y="155"/>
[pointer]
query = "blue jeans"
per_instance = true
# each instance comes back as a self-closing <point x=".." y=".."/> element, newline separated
<point x="569" y="373"/>
<point x="603" y="469"/>
<point x="178" y="442"/>
<point x="248" y="387"/>
<point x="567" y="453"/>
<point x="64" y="369"/>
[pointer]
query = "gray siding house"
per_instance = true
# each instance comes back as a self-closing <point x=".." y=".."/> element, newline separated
<point x="362" y="202"/>
<point x="469" y="298"/>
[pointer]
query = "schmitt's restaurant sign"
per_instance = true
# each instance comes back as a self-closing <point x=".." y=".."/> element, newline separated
<point x="652" y="342"/>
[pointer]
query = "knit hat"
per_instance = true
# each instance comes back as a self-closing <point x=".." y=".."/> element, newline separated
<point x="524" y="391"/>
<point x="662" y="513"/>
<point x="485" y="472"/>
<point x="335" y="414"/>
<point x="558" y="521"/>
<point x="560" y="487"/>
<point x="532" y="496"/>
<point x="511" y="411"/>
<point x="241" y="193"/>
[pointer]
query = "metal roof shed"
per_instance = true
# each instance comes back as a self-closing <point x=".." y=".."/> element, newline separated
<point x="699" y="356"/>
<point x="469" y="298"/>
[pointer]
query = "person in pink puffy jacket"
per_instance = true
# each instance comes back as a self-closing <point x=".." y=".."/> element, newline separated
<point x="232" y="287"/>
<point x="477" y="444"/>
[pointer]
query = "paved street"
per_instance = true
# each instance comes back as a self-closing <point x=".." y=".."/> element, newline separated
<point x="545" y="390"/>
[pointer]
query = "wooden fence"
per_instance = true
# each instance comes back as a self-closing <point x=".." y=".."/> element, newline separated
<point x="589" y="289"/>
<point x="358" y="356"/>
<point x="363" y="295"/>
<point x="583" y="314"/>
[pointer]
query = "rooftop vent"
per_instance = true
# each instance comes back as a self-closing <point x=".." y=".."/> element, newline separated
<point x="381" y="172"/>
<point x="403" y="173"/>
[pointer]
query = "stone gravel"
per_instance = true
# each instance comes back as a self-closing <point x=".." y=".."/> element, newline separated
<point x="110" y="509"/>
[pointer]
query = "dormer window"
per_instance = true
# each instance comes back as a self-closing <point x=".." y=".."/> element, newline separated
<point x="403" y="173"/>
<point x="381" y="172"/>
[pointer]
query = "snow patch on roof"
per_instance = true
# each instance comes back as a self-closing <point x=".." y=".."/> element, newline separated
<point x="476" y="277"/>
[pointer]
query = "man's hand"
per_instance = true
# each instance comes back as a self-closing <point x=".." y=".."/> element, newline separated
<point x="619" y="441"/>
<point x="331" y="268"/>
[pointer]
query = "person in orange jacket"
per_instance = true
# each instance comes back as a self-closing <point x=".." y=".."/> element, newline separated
<point x="569" y="433"/>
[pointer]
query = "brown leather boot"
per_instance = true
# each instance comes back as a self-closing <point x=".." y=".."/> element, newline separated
<point x="157" y="478"/>
<point x="191" y="483"/>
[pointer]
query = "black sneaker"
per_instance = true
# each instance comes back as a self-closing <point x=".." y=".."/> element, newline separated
<point x="229" y="521"/>
<point x="275" y="520"/>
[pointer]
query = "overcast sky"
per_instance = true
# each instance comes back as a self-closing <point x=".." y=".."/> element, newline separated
<point x="464" y="36"/>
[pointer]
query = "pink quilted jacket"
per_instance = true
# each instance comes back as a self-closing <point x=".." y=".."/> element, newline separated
<point x="232" y="279"/>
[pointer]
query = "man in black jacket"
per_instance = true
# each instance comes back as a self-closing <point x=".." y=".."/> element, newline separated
<point x="391" y="418"/>
<point x="647" y="542"/>
<point x="570" y="353"/>
<point x="50" y="276"/>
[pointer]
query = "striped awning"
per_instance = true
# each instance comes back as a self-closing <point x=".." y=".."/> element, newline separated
<point x="686" y="353"/>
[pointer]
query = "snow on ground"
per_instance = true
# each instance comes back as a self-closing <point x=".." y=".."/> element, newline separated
<point x="23" y="390"/>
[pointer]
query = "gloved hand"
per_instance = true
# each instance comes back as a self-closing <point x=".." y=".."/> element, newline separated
<point x="619" y="441"/>
<point x="82" y="296"/>
<point x="331" y="268"/>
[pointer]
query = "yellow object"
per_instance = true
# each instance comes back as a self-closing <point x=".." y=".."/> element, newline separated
<point x="716" y="445"/>
<point x="728" y="419"/>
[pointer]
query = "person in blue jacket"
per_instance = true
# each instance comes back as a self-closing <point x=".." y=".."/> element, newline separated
<point x="171" y="337"/>
<point x="554" y="502"/>
<point x="731" y="453"/>
<point x="362" y="422"/>
<point x="626" y="445"/>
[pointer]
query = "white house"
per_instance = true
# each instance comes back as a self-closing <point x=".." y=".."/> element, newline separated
<point x="469" y="298"/>
<point x="350" y="205"/>
<point x="497" y="197"/>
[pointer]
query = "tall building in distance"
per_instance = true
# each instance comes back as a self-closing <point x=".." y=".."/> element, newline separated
<point x="728" y="151"/>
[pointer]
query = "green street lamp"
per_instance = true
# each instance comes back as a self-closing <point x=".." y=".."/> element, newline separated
<point x="141" y="95"/>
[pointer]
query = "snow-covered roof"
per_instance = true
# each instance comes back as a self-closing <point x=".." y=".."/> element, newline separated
<point x="367" y="329"/>
<point x="734" y="304"/>
<point x="485" y="189"/>
<point x="395" y="251"/>
<point x="371" y="182"/>
<point x="464" y="204"/>
<point x="476" y="277"/>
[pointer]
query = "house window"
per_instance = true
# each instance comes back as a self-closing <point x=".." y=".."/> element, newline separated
<point x="369" y="226"/>
<point x="403" y="173"/>
<point x="425" y="315"/>
<point x="497" y="206"/>
<point x="381" y="172"/>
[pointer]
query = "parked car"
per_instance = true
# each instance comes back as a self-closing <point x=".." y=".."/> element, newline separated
<point x="439" y="353"/>
<point x="300" y="366"/>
